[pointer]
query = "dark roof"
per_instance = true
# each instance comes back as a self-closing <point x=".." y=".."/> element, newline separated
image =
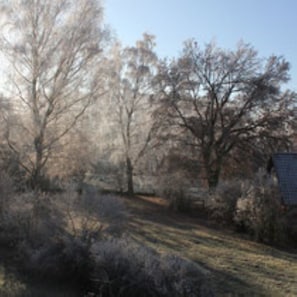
<point x="285" y="165"/>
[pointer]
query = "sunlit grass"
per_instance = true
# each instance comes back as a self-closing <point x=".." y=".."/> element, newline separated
<point x="239" y="267"/>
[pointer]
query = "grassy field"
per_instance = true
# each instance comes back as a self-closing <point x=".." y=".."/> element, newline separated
<point x="238" y="267"/>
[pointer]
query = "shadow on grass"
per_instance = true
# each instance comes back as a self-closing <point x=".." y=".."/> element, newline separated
<point x="228" y="285"/>
<point x="146" y="212"/>
<point x="239" y="267"/>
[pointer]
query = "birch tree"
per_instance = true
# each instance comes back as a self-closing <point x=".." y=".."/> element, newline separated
<point x="53" y="48"/>
<point x="132" y="83"/>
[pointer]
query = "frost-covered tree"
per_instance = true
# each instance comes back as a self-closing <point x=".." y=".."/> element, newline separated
<point x="133" y="72"/>
<point x="53" y="48"/>
<point x="218" y="101"/>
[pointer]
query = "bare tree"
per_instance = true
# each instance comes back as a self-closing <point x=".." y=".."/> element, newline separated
<point x="218" y="101"/>
<point x="53" y="48"/>
<point x="132" y="84"/>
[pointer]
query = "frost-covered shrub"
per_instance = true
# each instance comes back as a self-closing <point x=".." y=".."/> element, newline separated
<point x="62" y="251"/>
<point x="108" y="207"/>
<point x="91" y="215"/>
<point x="29" y="217"/>
<point x="63" y="258"/>
<point x="10" y="167"/>
<point x="179" y="201"/>
<point x="6" y="192"/>
<point x="37" y="217"/>
<point x="260" y="213"/>
<point x="124" y="268"/>
<point x="222" y="201"/>
<point x="8" y="228"/>
<point x="252" y="206"/>
<point x="173" y="188"/>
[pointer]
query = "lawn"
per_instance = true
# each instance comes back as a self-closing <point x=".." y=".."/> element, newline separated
<point x="238" y="267"/>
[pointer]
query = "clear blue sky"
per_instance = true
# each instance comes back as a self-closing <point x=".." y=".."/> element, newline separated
<point x="269" y="25"/>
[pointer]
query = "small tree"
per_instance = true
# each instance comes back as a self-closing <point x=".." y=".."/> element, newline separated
<point x="132" y="86"/>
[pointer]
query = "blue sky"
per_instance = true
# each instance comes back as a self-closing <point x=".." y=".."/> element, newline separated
<point x="270" y="26"/>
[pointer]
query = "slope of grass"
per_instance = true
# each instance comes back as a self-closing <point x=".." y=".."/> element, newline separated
<point x="238" y="267"/>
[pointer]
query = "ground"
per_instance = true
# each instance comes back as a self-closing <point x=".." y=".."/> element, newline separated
<point x="239" y="267"/>
<point x="236" y="266"/>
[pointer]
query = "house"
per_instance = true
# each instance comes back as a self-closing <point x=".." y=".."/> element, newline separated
<point x="285" y="167"/>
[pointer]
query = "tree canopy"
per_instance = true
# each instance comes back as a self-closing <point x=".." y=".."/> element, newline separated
<point x="53" y="49"/>
<point x="220" y="100"/>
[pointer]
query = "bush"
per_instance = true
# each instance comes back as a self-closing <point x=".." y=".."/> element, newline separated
<point x="61" y="250"/>
<point x="172" y="187"/>
<point x="124" y="268"/>
<point x="38" y="217"/>
<point x="8" y="230"/>
<point x="60" y="258"/>
<point x="253" y="207"/>
<point x="6" y="192"/>
<point x="29" y="217"/>
<point x="10" y="166"/>
<point x="260" y="213"/>
<point x="222" y="201"/>
<point x="91" y="215"/>
<point x="179" y="202"/>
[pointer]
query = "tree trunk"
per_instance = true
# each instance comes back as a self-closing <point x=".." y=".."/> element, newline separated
<point x="213" y="177"/>
<point x="37" y="174"/>
<point x="212" y="165"/>
<point x="36" y="179"/>
<point x="129" y="176"/>
<point x="213" y="173"/>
